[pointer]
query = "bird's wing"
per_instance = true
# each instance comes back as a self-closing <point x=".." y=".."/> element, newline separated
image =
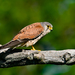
<point x="30" y="32"/>
<point x="27" y="33"/>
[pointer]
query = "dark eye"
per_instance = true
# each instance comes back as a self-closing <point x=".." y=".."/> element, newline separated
<point x="48" y="26"/>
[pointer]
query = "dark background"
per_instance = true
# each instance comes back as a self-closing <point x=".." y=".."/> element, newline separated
<point x="16" y="14"/>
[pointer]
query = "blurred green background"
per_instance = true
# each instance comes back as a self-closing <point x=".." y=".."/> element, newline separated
<point x="16" y="14"/>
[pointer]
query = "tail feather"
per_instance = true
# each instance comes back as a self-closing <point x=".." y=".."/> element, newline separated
<point x="10" y="44"/>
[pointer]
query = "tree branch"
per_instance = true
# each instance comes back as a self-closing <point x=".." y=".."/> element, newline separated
<point x="19" y="57"/>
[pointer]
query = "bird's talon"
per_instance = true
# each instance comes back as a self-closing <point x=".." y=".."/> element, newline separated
<point x="39" y="50"/>
<point x="33" y="48"/>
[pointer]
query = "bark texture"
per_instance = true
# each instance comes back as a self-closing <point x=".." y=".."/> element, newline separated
<point x="20" y="57"/>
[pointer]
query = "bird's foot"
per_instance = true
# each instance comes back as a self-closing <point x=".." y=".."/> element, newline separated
<point x="39" y="50"/>
<point x="34" y="48"/>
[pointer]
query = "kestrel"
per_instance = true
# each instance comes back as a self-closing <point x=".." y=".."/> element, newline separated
<point x="29" y="35"/>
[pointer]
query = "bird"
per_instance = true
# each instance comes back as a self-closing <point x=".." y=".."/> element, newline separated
<point x="29" y="35"/>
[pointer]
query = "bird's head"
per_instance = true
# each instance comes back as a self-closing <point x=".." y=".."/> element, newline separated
<point x="47" y="26"/>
